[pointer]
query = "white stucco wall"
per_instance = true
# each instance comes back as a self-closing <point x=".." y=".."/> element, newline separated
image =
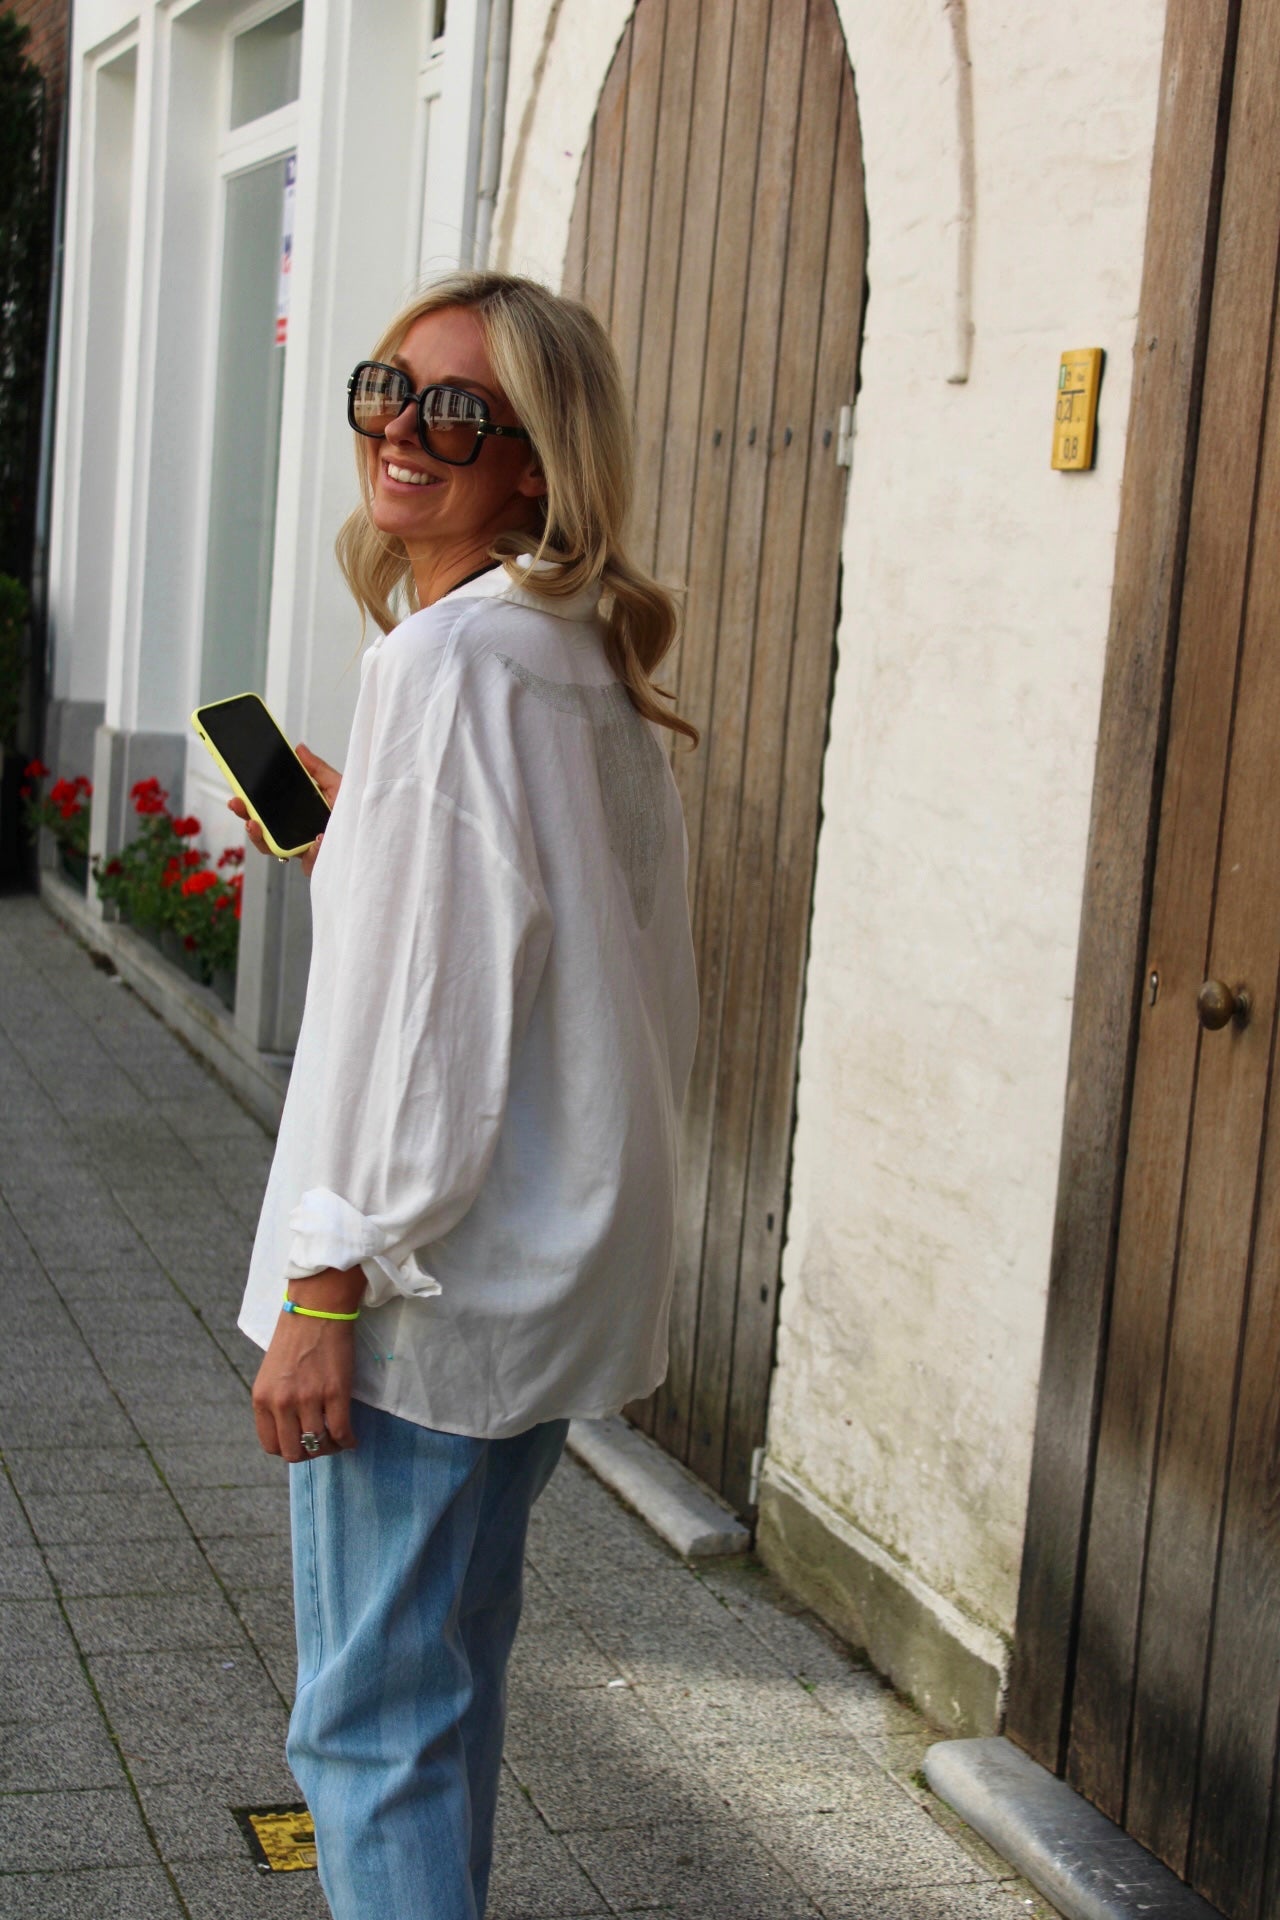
<point x="956" y="790"/>
<point x="957" y="782"/>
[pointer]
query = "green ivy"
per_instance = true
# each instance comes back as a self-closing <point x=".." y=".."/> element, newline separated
<point x="13" y="626"/>
<point x="25" y="242"/>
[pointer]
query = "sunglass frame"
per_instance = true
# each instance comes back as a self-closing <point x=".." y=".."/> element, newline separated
<point x="484" y="428"/>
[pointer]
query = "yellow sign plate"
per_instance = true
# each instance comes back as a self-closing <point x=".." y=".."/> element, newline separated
<point x="1079" y="376"/>
<point x="287" y="1839"/>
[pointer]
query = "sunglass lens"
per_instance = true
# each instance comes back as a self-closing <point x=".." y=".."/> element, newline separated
<point x="378" y="394"/>
<point x="449" y="422"/>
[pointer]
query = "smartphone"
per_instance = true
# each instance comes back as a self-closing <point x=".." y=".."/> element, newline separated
<point x="264" y="770"/>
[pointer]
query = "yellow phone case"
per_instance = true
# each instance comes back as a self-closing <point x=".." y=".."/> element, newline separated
<point x="281" y="853"/>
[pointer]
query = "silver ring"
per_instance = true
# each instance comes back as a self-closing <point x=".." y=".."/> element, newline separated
<point x="311" y="1442"/>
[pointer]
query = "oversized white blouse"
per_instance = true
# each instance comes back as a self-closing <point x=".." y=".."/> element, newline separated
<point x="499" y="1025"/>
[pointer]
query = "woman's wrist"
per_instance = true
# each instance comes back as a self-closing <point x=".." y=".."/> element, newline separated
<point x="333" y="1291"/>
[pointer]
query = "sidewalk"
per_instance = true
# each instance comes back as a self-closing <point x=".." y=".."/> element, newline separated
<point x="681" y="1743"/>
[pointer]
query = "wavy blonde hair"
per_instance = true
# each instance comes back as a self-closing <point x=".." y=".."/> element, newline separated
<point x="557" y="366"/>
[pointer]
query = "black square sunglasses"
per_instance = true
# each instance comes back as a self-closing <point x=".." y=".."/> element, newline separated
<point x="452" y="424"/>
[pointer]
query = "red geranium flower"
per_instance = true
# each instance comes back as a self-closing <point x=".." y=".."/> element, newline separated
<point x="231" y="857"/>
<point x="191" y="857"/>
<point x="199" y="883"/>
<point x="189" y="942"/>
<point x="115" y="866"/>
<point x="69" y="810"/>
<point x="34" y="770"/>
<point x="185" y="827"/>
<point x="61" y="791"/>
<point x="82" y="785"/>
<point x="148" y="796"/>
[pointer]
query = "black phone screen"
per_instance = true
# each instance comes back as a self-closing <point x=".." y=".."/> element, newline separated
<point x="265" y="765"/>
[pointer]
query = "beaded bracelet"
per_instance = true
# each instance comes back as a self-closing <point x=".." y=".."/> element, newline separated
<point x="315" y="1313"/>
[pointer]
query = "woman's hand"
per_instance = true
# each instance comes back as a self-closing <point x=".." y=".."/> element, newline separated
<point x="327" y="778"/>
<point x="304" y="1382"/>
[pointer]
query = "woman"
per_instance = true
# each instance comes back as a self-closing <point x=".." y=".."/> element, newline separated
<point x="478" y="1152"/>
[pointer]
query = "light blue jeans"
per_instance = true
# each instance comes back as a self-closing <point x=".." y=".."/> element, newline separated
<point x="407" y="1559"/>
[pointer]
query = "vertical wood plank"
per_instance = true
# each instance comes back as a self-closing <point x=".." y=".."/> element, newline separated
<point x="685" y="404"/>
<point x="724" y="754"/>
<point x="1159" y="458"/>
<point x="728" y="1327"/>
<point x="709" y="520"/>
<point x="608" y="137"/>
<point x="573" y="280"/>
<point x="1177" y="940"/>
<point x="664" y="268"/>
<point x="1213" y="1256"/>
<point x="635" y="186"/>
<point x="808" y="703"/>
<point x="1236" y="1786"/>
<point x="676" y="559"/>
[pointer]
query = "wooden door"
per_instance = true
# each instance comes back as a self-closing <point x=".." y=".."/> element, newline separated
<point x="719" y="230"/>
<point x="1174" y="1708"/>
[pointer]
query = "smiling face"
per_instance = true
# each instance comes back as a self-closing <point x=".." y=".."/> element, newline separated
<point x="447" y="516"/>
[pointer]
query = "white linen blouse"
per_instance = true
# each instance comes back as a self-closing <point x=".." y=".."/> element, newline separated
<point x="499" y="1025"/>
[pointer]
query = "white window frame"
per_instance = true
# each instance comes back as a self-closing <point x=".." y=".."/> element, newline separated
<point x="273" y="136"/>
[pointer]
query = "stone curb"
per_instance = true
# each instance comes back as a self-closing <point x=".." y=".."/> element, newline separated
<point x="679" y="1508"/>
<point x="1088" y="1867"/>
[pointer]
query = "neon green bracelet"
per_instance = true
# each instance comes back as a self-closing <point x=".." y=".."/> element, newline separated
<point x="315" y="1313"/>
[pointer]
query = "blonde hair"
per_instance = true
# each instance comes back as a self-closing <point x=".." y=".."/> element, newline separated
<point x="557" y="366"/>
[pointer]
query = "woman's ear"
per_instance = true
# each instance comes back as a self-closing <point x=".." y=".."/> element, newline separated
<point x="532" y="482"/>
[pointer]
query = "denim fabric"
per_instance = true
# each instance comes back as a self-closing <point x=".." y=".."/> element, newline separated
<point x="407" y="1558"/>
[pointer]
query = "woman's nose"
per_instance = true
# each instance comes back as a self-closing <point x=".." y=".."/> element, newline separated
<point x="405" y="425"/>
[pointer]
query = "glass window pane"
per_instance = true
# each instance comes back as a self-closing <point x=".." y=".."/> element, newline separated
<point x="265" y="65"/>
<point x="246" y="437"/>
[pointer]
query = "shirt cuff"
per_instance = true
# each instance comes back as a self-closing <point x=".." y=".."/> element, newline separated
<point x="327" y="1231"/>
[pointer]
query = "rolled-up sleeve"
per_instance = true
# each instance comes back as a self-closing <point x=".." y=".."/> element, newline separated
<point x="440" y="943"/>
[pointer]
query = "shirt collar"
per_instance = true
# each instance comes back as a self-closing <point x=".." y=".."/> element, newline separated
<point x="497" y="583"/>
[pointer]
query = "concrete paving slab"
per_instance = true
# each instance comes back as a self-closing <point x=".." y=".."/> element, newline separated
<point x="73" y="1750"/>
<point x="106" y="1893"/>
<point x="225" y="1684"/>
<point x="591" y="1757"/>
<point x="535" y="1876"/>
<point x="891" y="1847"/>
<point x="191" y="1822"/>
<point x="87" y="1470"/>
<point x="22" y="1574"/>
<point x="257" y="1562"/>
<point x="45" y="1686"/>
<point x="80" y="1380"/>
<point x="142" y="1624"/>
<point x="133" y="1567"/>
<point x="62" y="1519"/>
<point x="241" y="1512"/>
<point x="554" y="1648"/>
<point x="647" y="1865"/>
<point x="90" y="1829"/>
<point x="30" y="1628"/>
<point x="226" y="1891"/>
<point x="62" y="1423"/>
<point x="220" y="1463"/>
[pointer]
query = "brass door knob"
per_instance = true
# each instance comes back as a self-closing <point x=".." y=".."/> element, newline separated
<point x="1217" y="1005"/>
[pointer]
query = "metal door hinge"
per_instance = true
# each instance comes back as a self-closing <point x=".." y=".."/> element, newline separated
<point x="753" y="1484"/>
<point x="844" y="438"/>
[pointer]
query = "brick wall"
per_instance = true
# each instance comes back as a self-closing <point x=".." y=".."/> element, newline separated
<point x="47" y="47"/>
